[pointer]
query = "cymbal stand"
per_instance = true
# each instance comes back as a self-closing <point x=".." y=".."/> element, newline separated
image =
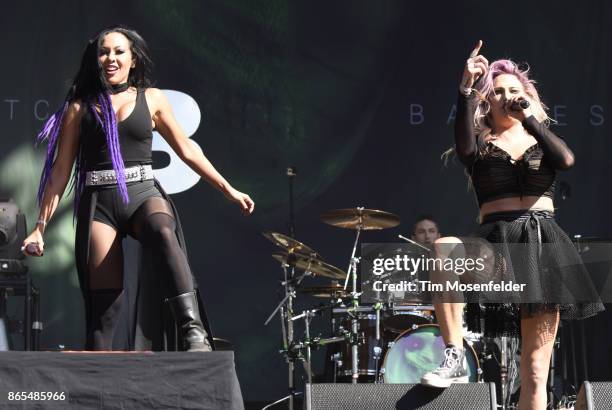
<point x="352" y="273"/>
<point x="286" y="312"/>
<point x="377" y="308"/>
<point x="377" y="350"/>
<point x="290" y="285"/>
<point x="307" y="315"/>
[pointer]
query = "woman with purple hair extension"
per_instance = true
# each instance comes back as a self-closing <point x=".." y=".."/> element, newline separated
<point x="104" y="130"/>
<point x="502" y="138"/>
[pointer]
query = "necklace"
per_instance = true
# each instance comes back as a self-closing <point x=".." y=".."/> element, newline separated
<point x="118" y="88"/>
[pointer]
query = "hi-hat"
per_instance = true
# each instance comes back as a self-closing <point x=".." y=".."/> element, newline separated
<point x="310" y="264"/>
<point x="360" y="218"/>
<point x="288" y="243"/>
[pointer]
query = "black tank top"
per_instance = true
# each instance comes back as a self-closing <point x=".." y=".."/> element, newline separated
<point x="135" y="138"/>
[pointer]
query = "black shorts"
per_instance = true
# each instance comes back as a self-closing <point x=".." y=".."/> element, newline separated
<point x="111" y="210"/>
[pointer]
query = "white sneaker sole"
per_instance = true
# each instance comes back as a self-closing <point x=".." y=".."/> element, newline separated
<point x="440" y="383"/>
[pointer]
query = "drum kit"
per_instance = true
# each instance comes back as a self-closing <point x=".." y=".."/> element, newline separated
<point x="379" y="342"/>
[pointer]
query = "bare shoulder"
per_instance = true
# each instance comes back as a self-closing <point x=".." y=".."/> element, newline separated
<point x="155" y="95"/>
<point x="156" y="99"/>
<point x="153" y="92"/>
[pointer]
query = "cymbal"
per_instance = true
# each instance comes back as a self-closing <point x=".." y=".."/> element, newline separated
<point x="311" y="264"/>
<point x="289" y="244"/>
<point x="368" y="219"/>
<point x="328" y="292"/>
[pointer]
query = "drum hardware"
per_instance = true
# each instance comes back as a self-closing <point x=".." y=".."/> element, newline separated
<point x="286" y="314"/>
<point x="359" y="219"/>
<point x="289" y="284"/>
<point x="285" y="309"/>
<point x="308" y="363"/>
<point x="377" y="307"/>
<point x="307" y="315"/>
<point x="310" y="265"/>
<point x="318" y="342"/>
<point x="336" y="359"/>
<point x="286" y="398"/>
<point x="315" y="342"/>
<point x="414" y="242"/>
<point x="377" y="355"/>
<point x="295" y="349"/>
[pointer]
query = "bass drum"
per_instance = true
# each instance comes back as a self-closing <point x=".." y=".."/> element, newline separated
<point x="418" y="351"/>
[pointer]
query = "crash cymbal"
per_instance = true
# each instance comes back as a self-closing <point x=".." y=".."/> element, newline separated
<point x="368" y="219"/>
<point x="289" y="244"/>
<point x="311" y="264"/>
<point x="328" y="292"/>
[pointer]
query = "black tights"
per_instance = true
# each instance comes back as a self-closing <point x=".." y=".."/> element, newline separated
<point x="153" y="225"/>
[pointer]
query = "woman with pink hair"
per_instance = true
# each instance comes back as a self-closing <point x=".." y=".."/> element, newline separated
<point x="503" y="140"/>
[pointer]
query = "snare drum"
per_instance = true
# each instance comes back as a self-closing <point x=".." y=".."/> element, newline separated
<point x="418" y="351"/>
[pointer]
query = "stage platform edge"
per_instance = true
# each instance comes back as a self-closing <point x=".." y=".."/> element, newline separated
<point x="119" y="380"/>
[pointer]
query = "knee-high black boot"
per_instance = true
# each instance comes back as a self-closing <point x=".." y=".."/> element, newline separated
<point x="193" y="337"/>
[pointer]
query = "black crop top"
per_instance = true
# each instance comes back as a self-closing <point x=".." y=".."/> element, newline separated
<point x="495" y="174"/>
<point x="135" y="138"/>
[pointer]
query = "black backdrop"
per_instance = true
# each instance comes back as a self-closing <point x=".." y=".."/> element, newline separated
<point x="358" y="95"/>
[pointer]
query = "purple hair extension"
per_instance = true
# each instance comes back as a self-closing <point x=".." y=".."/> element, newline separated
<point x="109" y="125"/>
<point x="50" y="132"/>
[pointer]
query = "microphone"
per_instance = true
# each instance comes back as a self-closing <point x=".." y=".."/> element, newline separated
<point x="518" y="105"/>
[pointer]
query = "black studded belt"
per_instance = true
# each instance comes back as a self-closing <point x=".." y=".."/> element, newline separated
<point x="108" y="176"/>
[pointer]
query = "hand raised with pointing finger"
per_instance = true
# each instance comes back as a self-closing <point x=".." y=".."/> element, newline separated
<point x="476" y="66"/>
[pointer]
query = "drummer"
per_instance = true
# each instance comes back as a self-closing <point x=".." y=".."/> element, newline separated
<point x="425" y="230"/>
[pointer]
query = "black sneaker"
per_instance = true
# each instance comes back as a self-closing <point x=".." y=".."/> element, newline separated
<point x="452" y="370"/>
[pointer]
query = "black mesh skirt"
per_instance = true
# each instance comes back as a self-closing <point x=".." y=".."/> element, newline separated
<point x="537" y="252"/>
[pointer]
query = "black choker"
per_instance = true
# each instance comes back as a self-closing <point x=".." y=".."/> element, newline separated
<point x="119" y="88"/>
